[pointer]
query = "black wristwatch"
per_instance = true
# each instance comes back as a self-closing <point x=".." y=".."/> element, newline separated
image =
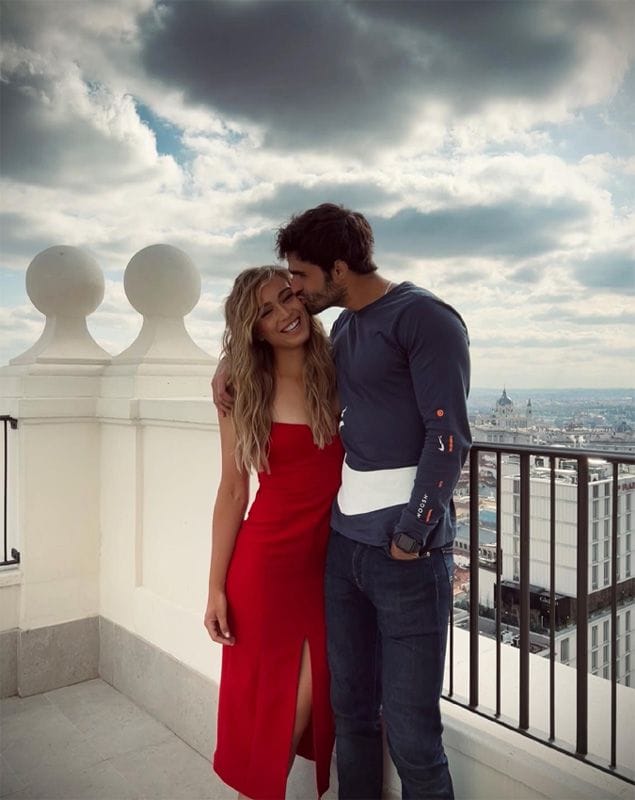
<point x="409" y="545"/>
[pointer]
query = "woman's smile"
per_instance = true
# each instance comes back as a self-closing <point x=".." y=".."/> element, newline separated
<point x="292" y="326"/>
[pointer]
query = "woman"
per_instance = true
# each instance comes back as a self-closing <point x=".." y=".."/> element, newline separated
<point x="266" y="576"/>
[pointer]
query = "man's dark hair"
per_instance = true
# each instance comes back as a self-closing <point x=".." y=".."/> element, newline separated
<point x="327" y="233"/>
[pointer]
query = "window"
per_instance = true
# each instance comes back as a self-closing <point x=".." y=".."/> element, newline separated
<point x="605" y="630"/>
<point x="516" y="485"/>
<point x="607" y="578"/>
<point x="627" y="621"/>
<point x="627" y="664"/>
<point x="628" y="501"/>
<point x="596" y="490"/>
<point x="596" y="509"/>
<point x="627" y="643"/>
<point x="516" y="504"/>
<point x="594" y="576"/>
<point x="607" y="489"/>
<point x="605" y="673"/>
<point x="605" y="654"/>
<point x="628" y="543"/>
<point x="618" y="621"/>
<point x="607" y="506"/>
<point x="564" y="651"/>
<point x="594" y="636"/>
<point x="516" y="545"/>
<point x="607" y="528"/>
<point x="594" y="551"/>
<point x="516" y="569"/>
<point x="594" y="660"/>
<point x="606" y="548"/>
<point x="627" y="571"/>
<point x="516" y="526"/>
<point x="595" y="531"/>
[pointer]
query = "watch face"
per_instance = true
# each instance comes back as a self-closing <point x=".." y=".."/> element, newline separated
<point x="406" y="543"/>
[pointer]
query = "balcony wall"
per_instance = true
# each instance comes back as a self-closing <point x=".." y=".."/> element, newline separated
<point x="113" y="475"/>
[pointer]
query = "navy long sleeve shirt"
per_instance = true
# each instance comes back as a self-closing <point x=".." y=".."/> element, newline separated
<point x="403" y="374"/>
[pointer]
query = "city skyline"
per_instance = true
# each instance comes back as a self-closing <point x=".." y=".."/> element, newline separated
<point x="491" y="145"/>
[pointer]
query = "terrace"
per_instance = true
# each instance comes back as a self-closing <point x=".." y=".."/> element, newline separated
<point x="110" y="471"/>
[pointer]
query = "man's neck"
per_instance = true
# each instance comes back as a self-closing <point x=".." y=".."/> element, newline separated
<point x="362" y="290"/>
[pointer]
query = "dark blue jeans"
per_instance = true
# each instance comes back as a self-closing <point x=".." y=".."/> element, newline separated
<point x="386" y="631"/>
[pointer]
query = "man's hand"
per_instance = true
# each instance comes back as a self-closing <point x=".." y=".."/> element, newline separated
<point x="216" y="619"/>
<point x="223" y="400"/>
<point x="399" y="555"/>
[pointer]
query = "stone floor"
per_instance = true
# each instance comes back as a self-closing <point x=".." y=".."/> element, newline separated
<point x="89" y="742"/>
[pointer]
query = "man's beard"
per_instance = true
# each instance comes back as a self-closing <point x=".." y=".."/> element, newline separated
<point x="331" y="296"/>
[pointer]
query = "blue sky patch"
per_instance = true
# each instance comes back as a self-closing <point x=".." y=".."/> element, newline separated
<point x="167" y="135"/>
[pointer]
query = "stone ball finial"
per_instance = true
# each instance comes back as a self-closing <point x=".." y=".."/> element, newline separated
<point x="163" y="284"/>
<point x="162" y="281"/>
<point x="65" y="281"/>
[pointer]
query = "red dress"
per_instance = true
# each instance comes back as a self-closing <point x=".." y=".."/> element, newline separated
<point x="275" y="596"/>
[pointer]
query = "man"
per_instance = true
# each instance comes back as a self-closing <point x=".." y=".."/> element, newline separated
<point x="403" y="376"/>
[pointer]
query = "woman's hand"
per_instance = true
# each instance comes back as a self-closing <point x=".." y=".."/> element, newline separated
<point x="216" y="618"/>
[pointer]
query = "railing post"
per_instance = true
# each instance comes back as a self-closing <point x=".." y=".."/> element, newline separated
<point x="582" y="607"/>
<point x="474" y="545"/>
<point x="451" y="643"/>
<point x="614" y="577"/>
<point x="15" y="555"/>
<point x="523" y="713"/>
<point x="499" y="571"/>
<point x="552" y="598"/>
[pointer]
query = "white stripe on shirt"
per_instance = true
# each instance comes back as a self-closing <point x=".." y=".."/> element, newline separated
<point x="362" y="492"/>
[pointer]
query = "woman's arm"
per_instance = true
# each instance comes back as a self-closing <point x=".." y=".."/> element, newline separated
<point x="229" y="510"/>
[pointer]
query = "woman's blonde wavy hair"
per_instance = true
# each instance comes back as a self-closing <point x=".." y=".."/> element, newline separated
<point x="251" y="373"/>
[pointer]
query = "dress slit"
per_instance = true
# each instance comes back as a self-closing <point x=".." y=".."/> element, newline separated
<point x="304" y="746"/>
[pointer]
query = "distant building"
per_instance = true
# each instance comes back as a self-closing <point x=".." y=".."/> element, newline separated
<point x="504" y="409"/>
<point x="505" y="425"/>
<point x="606" y="439"/>
<point x="600" y="558"/>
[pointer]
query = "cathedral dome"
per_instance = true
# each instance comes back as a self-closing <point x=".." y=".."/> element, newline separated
<point x="504" y="400"/>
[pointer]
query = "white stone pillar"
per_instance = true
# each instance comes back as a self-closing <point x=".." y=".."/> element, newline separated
<point x="160" y="465"/>
<point x="116" y="467"/>
<point x="55" y="471"/>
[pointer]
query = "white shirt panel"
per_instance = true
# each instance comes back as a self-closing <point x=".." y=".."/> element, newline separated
<point x="365" y="491"/>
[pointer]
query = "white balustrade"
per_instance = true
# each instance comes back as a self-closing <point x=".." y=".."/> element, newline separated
<point x="115" y="460"/>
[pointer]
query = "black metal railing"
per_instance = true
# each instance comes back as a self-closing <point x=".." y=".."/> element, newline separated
<point x="521" y="456"/>
<point x="7" y="422"/>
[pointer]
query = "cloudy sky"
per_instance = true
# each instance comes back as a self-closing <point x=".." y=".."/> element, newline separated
<point x="492" y="146"/>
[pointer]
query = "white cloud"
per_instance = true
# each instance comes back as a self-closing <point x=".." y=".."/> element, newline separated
<point x="20" y="327"/>
<point x="473" y="195"/>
